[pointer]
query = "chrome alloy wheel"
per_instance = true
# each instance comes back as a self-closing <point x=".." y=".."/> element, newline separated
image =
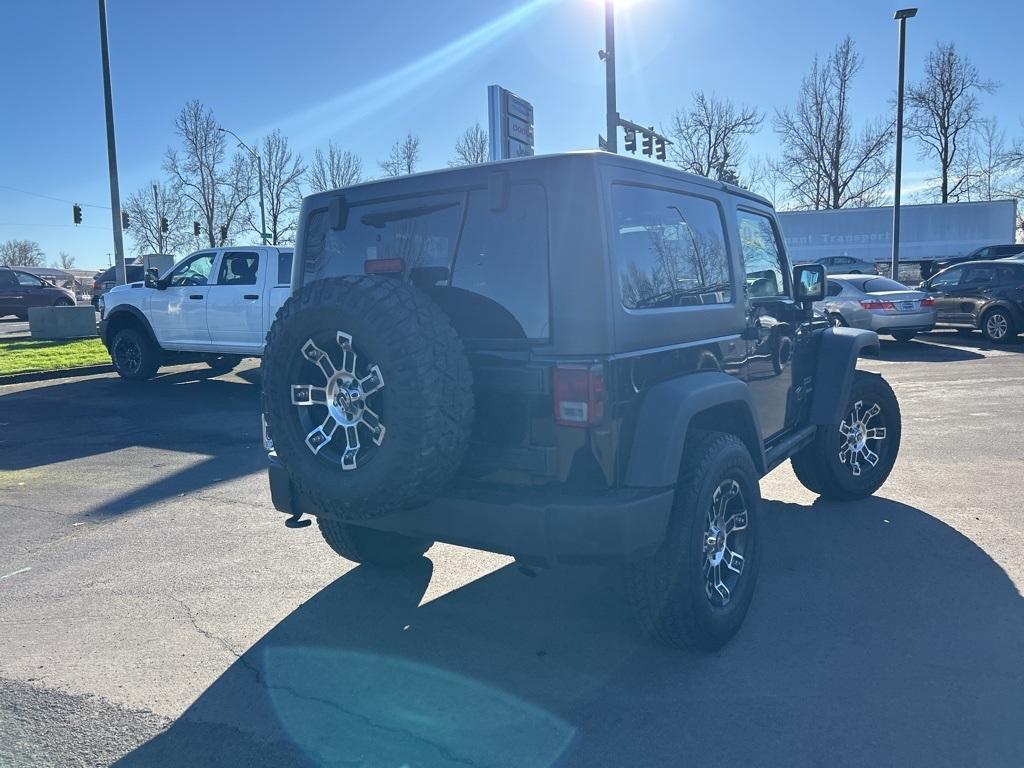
<point x="858" y="437"/>
<point x="724" y="542"/>
<point x="341" y="405"/>
<point x="996" y="326"/>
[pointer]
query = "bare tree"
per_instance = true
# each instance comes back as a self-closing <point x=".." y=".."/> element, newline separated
<point x="282" y="175"/>
<point x="335" y="170"/>
<point x="21" y="253"/>
<point x="708" y="137"/>
<point x="941" y="108"/>
<point x="216" y="188"/>
<point x="64" y="261"/>
<point x="764" y="177"/>
<point x="145" y="210"/>
<point x="405" y="153"/>
<point x="471" y="147"/>
<point x="827" y="163"/>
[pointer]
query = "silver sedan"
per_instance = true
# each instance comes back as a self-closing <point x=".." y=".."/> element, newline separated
<point x="877" y="304"/>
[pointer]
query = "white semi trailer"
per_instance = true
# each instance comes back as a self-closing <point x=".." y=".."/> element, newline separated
<point x="927" y="232"/>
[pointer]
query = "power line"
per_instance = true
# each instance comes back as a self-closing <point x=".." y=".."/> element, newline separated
<point x="22" y="224"/>
<point x="51" y="197"/>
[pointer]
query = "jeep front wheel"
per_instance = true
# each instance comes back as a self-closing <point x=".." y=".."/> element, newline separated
<point x="695" y="591"/>
<point x="368" y="393"/>
<point x="852" y="460"/>
<point x="369" y="546"/>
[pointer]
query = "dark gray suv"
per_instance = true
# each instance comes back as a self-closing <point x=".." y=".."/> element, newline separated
<point x="570" y="359"/>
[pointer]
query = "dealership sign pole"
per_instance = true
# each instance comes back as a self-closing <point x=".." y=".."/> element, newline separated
<point x="510" y="124"/>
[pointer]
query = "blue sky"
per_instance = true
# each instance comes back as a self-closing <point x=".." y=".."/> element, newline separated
<point x="364" y="73"/>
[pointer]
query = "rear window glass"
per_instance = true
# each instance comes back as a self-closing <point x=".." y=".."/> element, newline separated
<point x="284" y="268"/>
<point x="488" y="269"/>
<point x="670" y="249"/>
<point x="879" y="284"/>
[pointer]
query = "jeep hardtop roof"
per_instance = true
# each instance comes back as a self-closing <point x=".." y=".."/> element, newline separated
<point x="443" y="177"/>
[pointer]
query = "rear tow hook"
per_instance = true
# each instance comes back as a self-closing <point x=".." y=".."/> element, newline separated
<point x="296" y="521"/>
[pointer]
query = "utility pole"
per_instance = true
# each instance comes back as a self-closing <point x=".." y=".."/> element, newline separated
<point x="608" y="54"/>
<point x="115" y="194"/>
<point x="901" y="16"/>
<point x="259" y="172"/>
<point x="159" y="229"/>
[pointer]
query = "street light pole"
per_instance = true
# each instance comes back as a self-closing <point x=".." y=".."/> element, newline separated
<point x="901" y="16"/>
<point x="608" y="54"/>
<point x="259" y="173"/>
<point x="115" y="195"/>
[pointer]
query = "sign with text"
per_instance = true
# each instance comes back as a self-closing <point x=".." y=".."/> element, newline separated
<point x="510" y="122"/>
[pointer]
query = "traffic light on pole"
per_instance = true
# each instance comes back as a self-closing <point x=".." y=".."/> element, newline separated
<point x="124" y="220"/>
<point x="195" y="228"/>
<point x="223" y="234"/>
<point x="660" y="148"/>
<point x="648" y="144"/>
<point x="163" y="224"/>
<point x="76" y="213"/>
<point x="630" y="140"/>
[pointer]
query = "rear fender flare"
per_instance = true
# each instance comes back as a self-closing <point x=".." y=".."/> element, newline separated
<point x="711" y="398"/>
<point x="838" y="350"/>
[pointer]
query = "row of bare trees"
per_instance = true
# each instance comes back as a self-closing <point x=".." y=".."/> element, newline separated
<point x="828" y="158"/>
<point x="208" y="182"/>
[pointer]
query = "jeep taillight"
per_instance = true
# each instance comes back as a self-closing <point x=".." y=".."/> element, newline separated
<point x="578" y="395"/>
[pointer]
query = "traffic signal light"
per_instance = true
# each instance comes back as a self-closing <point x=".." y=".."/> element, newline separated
<point x="76" y="213"/>
<point x="195" y="228"/>
<point x="163" y="224"/>
<point x="660" y="149"/>
<point x="648" y="144"/>
<point x="630" y="140"/>
<point x="124" y="220"/>
<point x="223" y="234"/>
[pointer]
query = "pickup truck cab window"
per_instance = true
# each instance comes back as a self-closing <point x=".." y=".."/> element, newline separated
<point x="759" y="248"/>
<point x="238" y="268"/>
<point x="284" y="268"/>
<point x="194" y="270"/>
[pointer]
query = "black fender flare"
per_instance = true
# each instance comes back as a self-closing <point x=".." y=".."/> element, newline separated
<point x="117" y="313"/>
<point x="838" y="350"/>
<point x="664" y="419"/>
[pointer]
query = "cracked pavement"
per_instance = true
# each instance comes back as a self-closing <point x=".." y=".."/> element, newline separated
<point x="154" y="611"/>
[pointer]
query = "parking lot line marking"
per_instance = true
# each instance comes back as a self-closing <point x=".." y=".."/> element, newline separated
<point x="15" y="573"/>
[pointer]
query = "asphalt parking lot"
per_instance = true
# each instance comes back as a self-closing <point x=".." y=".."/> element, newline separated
<point x="154" y="610"/>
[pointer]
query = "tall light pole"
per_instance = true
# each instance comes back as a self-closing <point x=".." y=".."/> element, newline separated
<point x="901" y="16"/>
<point x="115" y="194"/>
<point x="259" y="172"/>
<point x="608" y="55"/>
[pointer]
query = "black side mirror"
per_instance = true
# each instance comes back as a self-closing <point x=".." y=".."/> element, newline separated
<point x="810" y="283"/>
<point x="150" y="278"/>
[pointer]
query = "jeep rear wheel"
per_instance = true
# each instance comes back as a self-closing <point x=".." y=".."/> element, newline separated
<point x="368" y="394"/>
<point x="852" y="460"/>
<point x="695" y="591"/>
<point x="369" y="546"/>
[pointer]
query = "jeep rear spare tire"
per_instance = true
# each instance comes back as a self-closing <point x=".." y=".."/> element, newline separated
<point x="368" y="395"/>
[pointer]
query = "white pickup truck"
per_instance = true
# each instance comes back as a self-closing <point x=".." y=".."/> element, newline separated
<point x="215" y="305"/>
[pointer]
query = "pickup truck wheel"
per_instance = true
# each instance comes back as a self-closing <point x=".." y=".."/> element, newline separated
<point x="695" y="591"/>
<point x="223" y="363"/>
<point x="852" y="460"/>
<point x="369" y="546"/>
<point x="134" y="356"/>
<point x="368" y="394"/>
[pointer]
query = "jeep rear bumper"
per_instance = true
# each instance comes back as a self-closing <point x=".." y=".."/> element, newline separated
<point x="537" y="529"/>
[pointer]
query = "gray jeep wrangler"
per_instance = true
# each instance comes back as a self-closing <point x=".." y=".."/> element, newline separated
<point x="575" y="358"/>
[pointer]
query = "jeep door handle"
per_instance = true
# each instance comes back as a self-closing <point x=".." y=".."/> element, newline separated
<point x="196" y="297"/>
<point x="251" y="296"/>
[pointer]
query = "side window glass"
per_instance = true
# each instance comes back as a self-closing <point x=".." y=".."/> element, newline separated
<point x="284" y="268"/>
<point x="238" y="268"/>
<point x="834" y="289"/>
<point x="29" y="281"/>
<point x="761" y="257"/>
<point x="979" y="275"/>
<point x="670" y="249"/>
<point x="7" y="280"/>
<point x="193" y="271"/>
<point x="948" y="279"/>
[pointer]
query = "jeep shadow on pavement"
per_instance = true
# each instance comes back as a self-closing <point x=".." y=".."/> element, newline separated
<point x="570" y="359"/>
